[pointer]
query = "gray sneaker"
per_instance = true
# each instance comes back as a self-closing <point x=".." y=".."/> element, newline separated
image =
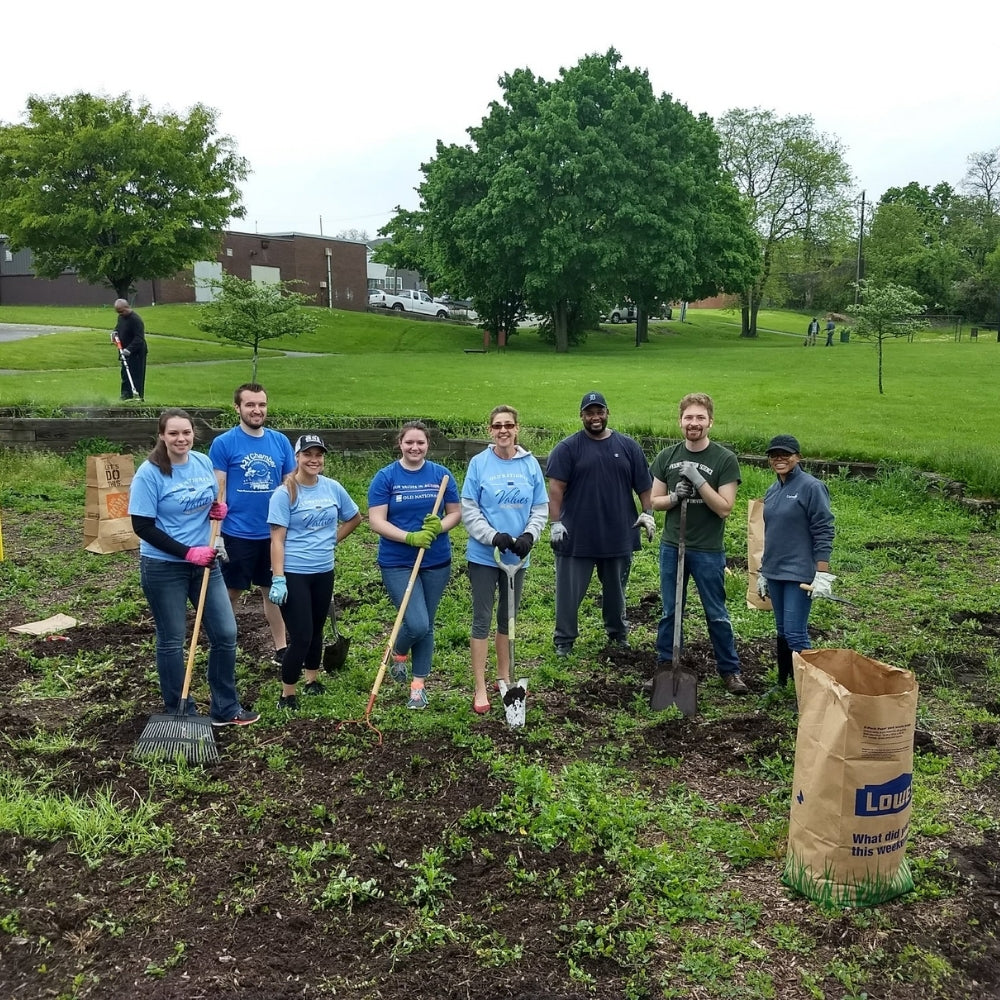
<point x="734" y="683"/>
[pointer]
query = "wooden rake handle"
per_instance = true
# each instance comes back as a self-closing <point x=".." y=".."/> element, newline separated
<point x="199" y="612"/>
<point x="398" y="624"/>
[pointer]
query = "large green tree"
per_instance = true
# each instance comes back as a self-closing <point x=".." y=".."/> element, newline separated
<point x="796" y="185"/>
<point x="577" y="191"/>
<point x="116" y="191"/>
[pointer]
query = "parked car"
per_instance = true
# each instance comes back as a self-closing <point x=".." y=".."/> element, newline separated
<point x="376" y="297"/>
<point x="623" y="314"/>
<point x="412" y="300"/>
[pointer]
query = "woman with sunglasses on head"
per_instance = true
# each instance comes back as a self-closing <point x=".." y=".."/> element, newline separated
<point x="401" y="499"/>
<point x="504" y="508"/>
<point x="798" y="542"/>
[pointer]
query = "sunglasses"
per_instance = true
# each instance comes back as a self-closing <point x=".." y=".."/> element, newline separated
<point x="503" y="427"/>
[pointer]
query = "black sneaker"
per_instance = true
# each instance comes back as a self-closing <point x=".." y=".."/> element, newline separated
<point x="279" y="656"/>
<point x="314" y="687"/>
<point x="563" y="651"/>
<point x="242" y="718"/>
<point x="289" y="702"/>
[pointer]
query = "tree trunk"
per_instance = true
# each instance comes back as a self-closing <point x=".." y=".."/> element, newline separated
<point x="560" y="320"/>
<point x="748" y="314"/>
<point x="641" y="326"/>
<point x="879" y="338"/>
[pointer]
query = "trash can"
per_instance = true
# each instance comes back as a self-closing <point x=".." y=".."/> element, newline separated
<point x="845" y="336"/>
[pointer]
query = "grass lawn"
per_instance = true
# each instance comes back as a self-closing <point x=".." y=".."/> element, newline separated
<point x="936" y="413"/>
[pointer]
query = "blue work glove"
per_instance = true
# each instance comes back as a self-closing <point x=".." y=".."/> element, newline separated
<point x="690" y="471"/>
<point x="278" y="593"/>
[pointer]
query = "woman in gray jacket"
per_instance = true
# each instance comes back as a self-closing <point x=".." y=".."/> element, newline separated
<point x="798" y="542"/>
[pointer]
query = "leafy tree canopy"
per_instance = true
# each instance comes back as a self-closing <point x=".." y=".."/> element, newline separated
<point x="114" y="191"/>
<point x="887" y="310"/>
<point x="250" y="312"/>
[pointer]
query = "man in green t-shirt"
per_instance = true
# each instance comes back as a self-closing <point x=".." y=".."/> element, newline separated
<point x="707" y="476"/>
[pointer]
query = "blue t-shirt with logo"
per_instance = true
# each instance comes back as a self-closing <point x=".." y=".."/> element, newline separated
<point x="409" y="497"/>
<point x="178" y="503"/>
<point x="254" y="468"/>
<point x="311" y="523"/>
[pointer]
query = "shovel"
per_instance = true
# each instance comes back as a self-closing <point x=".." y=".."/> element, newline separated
<point x="335" y="653"/>
<point x="677" y="686"/>
<point x="514" y="696"/>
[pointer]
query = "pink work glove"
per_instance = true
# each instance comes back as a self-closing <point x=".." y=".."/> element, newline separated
<point x="201" y="555"/>
<point x="218" y="510"/>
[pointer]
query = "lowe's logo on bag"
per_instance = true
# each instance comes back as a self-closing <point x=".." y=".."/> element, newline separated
<point x="885" y="799"/>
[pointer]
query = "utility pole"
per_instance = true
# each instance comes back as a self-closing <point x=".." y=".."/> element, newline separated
<point x="861" y="237"/>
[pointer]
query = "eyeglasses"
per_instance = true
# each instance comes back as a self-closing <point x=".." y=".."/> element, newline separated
<point x="503" y="427"/>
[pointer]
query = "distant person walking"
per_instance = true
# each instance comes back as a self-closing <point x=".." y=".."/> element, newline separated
<point x="830" y="327"/>
<point x="250" y="462"/>
<point x="798" y="541"/>
<point x="812" y="333"/>
<point x="131" y="331"/>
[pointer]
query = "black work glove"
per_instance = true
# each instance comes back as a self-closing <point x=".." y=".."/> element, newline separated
<point x="521" y="545"/>
<point x="502" y="541"/>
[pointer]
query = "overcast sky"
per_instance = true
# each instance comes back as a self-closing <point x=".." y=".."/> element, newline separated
<point x="336" y="105"/>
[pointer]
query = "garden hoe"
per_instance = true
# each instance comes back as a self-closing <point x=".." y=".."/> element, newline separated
<point x="515" y="697"/>
<point x="191" y="736"/>
<point x="397" y="625"/>
<point x="124" y="360"/>
<point x="677" y="686"/>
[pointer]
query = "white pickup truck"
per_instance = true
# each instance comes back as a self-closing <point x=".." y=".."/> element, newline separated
<point x="411" y="300"/>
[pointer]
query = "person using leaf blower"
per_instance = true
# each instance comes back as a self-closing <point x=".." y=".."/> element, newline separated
<point x="171" y="501"/>
<point x="130" y="337"/>
<point x="798" y="542"/>
<point x="706" y="475"/>
<point x="504" y="507"/>
<point x="310" y="515"/>
<point x="401" y="500"/>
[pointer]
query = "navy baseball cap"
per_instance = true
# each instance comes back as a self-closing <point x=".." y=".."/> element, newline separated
<point x="309" y="441"/>
<point x="784" y="442"/>
<point x="593" y="399"/>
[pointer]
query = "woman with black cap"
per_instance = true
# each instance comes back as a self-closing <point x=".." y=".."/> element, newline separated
<point x="798" y="542"/>
<point x="309" y="515"/>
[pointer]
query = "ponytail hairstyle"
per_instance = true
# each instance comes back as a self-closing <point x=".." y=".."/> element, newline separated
<point x="291" y="484"/>
<point x="158" y="456"/>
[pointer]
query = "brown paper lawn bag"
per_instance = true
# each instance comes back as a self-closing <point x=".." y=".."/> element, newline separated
<point x="851" y="790"/>
<point x="107" y="526"/>
<point x="755" y="552"/>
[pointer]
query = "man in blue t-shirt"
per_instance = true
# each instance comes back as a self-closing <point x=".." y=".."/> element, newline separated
<point x="250" y="462"/>
<point x="592" y="476"/>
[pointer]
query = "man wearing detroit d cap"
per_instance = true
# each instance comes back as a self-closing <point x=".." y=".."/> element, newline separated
<point x="592" y="476"/>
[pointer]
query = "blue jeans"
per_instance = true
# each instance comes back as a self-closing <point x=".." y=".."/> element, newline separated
<point x="791" y="606"/>
<point x="416" y="634"/>
<point x="168" y="587"/>
<point x="708" y="569"/>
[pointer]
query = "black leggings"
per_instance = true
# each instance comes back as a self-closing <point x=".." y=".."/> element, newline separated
<point x="305" y="613"/>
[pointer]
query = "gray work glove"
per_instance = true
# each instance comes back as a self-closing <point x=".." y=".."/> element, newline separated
<point x="558" y="533"/>
<point x="683" y="491"/>
<point x="762" y="586"/>
<point x="220" y="548"/>
<point x="689" y="470"/>
<point x="822" y="585"/>
<point x="646" y="522"/>
<point x="126" y="353"/>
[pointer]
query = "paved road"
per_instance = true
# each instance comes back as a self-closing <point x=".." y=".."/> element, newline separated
<point x="21" y="331"/>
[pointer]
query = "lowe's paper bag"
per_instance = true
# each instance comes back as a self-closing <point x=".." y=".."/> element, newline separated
<point x="107" y="526"/>
<point x="755" y="552"/>
<point x="851" y="790"/>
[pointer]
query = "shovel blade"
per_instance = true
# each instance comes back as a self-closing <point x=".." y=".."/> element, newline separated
<point x="335" y="653"/>
<point x="675" y="687"/>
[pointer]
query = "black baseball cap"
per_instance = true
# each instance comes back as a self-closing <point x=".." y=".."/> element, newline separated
<point x="309" y="441"/>
<point x="784" y="442"/>
<point x="593" y="399"/>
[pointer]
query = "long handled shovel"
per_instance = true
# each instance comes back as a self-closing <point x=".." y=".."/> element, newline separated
<point x="514" y="696"/>
<point x="124" y="361"/>
<point x="677" y="686"/>
<point x="189" y="735"/>
<point x="397" y="625"/>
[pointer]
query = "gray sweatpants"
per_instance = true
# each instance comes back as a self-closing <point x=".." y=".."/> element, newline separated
<point x="573" y="575"/>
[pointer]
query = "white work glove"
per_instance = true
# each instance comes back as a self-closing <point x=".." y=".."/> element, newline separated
<point x="689" y="470"/>
<point x="558" y="533"/>
<point x="646" y="522"/>
<point x="822" y="585"/>
<point x="220" y="547"/>
<point x="126" y="353"/>
<point x="762" y="586"/>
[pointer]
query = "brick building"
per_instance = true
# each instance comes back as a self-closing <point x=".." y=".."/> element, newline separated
<point x="331" y="272"/>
